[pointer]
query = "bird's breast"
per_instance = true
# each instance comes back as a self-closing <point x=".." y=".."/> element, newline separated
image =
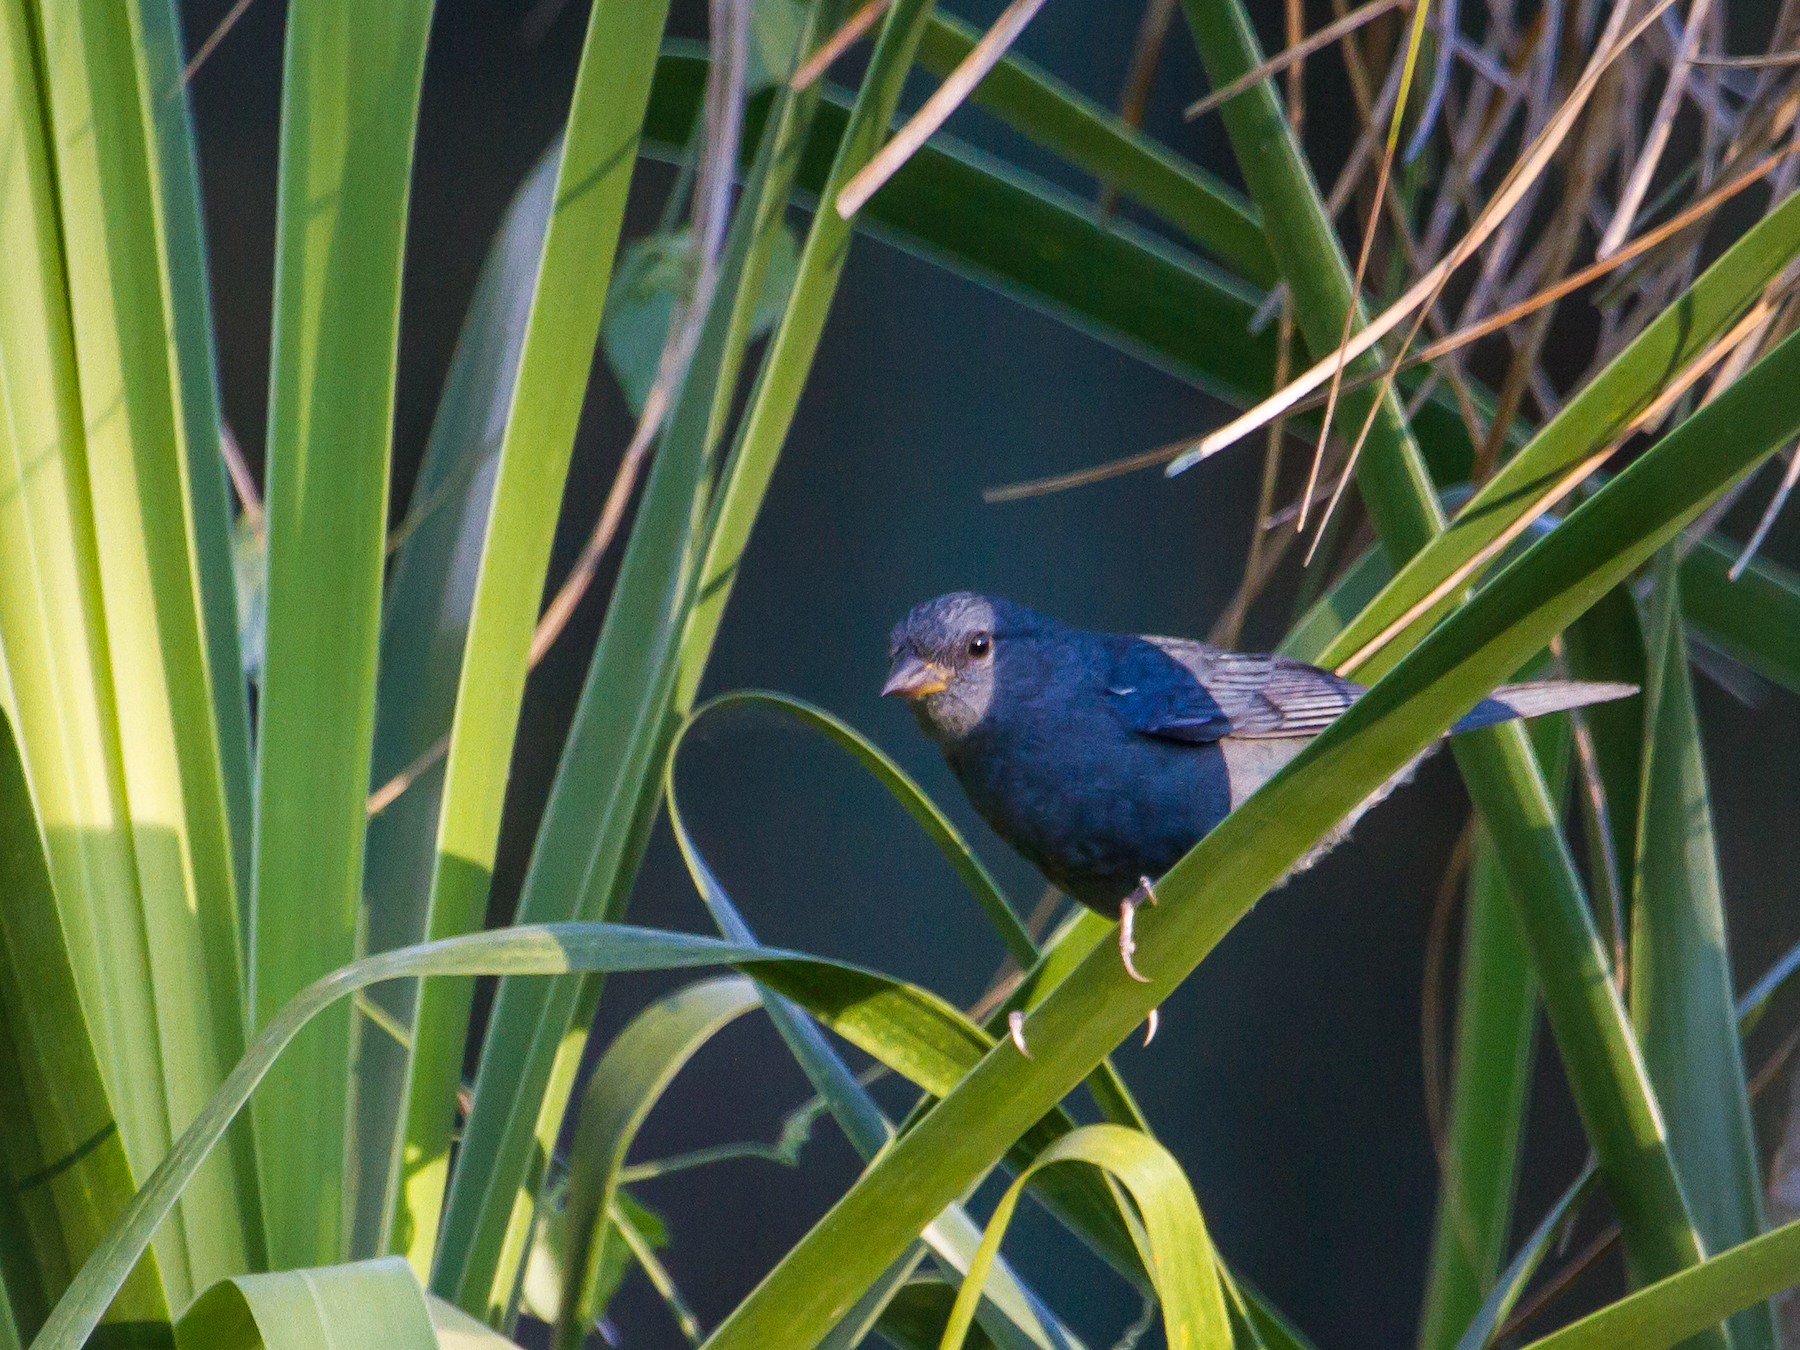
<point x="1094" y="805"/>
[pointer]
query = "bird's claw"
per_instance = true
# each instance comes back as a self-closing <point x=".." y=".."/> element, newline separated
<point x="1127" y="918"/>
<point x="1015" y="1027"/>
<point x="1151" y="1023"/>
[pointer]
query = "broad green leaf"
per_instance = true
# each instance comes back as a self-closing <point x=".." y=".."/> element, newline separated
<point x="1178" y="1253"/>
<point x="625" y="1085"/>
<point x="375" y="1303"/>
<point x="1617" y="1108"/>
<point x="456" y="1330"/>
<point x="588" y="843"/>
<point x="51" y="631"/>
<point x="350" y="95"/>
<point x="108" y="646"/>
<point x="66" y="1175"/>
<point x="1680" y="970"/>
<point x="777" y="37"/>
<point x="1202" y="897"/>
<point x="1687" y="1303"/>
<point x="1756" y="618"/>
<point x="592" y="178"/>
<point x="656" y="273"/>
<point x="911" y="1031"/>
<point x="426" y="603"/>
<point x="1091" y="137"/>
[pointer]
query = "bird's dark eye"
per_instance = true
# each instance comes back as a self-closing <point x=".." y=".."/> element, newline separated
<point x="980" y="645"/>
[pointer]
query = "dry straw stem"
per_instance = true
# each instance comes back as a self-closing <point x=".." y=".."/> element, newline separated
<point x="1521" y="181"/>
<point x="946" y="99"/>
<point x="1641" y="172"/>
<point x="1294" y="53"/>
<point x="1664" y="401"/>
<point x="712" y="208"/>
<point x="848" y="34"/>
<point x="1445" y="346"/>
<point x="712" y="202"/>
<point x="1407" y="66"/>
<point x="1424" y="291"/>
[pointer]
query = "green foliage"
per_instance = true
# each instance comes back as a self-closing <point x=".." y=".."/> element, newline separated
<point x="205" y="1143"/>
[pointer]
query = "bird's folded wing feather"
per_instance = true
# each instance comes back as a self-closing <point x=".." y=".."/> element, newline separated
<point x="1186" y="691"/>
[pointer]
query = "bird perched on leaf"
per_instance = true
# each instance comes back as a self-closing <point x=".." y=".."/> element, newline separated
<point x="1104" y="757"/>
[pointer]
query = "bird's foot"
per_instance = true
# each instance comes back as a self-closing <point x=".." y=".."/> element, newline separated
<point x="1127" y="915"/>
<point x="1015" y="1027"/>
<point x="1151" y="1023"/>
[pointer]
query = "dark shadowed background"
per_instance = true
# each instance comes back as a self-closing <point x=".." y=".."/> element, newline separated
<point x="1287" y="1075"/>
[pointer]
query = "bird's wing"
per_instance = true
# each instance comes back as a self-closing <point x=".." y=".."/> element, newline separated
<point x="1186" y="691"/>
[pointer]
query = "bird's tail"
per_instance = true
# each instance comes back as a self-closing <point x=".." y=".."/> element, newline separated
<point x="1538" y="697"/>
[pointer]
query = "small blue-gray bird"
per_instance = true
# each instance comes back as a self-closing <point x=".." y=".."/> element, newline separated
<point x="1103" y="757"/>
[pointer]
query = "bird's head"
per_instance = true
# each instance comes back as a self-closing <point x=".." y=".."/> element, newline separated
<point x="945" y="657"/>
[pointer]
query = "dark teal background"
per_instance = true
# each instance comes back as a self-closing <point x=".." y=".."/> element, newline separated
<point x="1287" y="1074"/>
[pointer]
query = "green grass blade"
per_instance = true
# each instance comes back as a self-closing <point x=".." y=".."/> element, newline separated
<point x="1205" y="894"/>
<point x="609" y="780"/>
<point x="1512" y="1282"/>
<point x="588" y="843"/>
<point x="1756" y="618"/>
<point x="899" y="785"/>
<point x="1178" y="1251"/>
<point x="1608" y="644"/>
<point x="1589" y="421"/>
<point x="105" y="645"/>
<point x="1682" y="1305"/>
<point x="599" y="150"/>
<point x="629" y="1079"/>
<point x="367" y="1303"/>
<point x="745" y="477"/>
<point x="350" y="94"/>
<point x="66" y="1174"/>
<point x="1010" y="1309"/>
<point x="1605" y="1069"/>
<point x="1680" y="970"/>
<point x="175" y="179"/>
<point x="175" y="183"/>
<point x="1094" y="138"/>
<point x="1110" y="1092"/>
<point x="1496" y="1022"/>
<point x="913" y="1032"/>
<point x="424" y="625"/>
<point x="1010" y="1306"/>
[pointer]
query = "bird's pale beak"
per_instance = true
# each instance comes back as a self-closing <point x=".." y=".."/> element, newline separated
<point x="915" y="678"/>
